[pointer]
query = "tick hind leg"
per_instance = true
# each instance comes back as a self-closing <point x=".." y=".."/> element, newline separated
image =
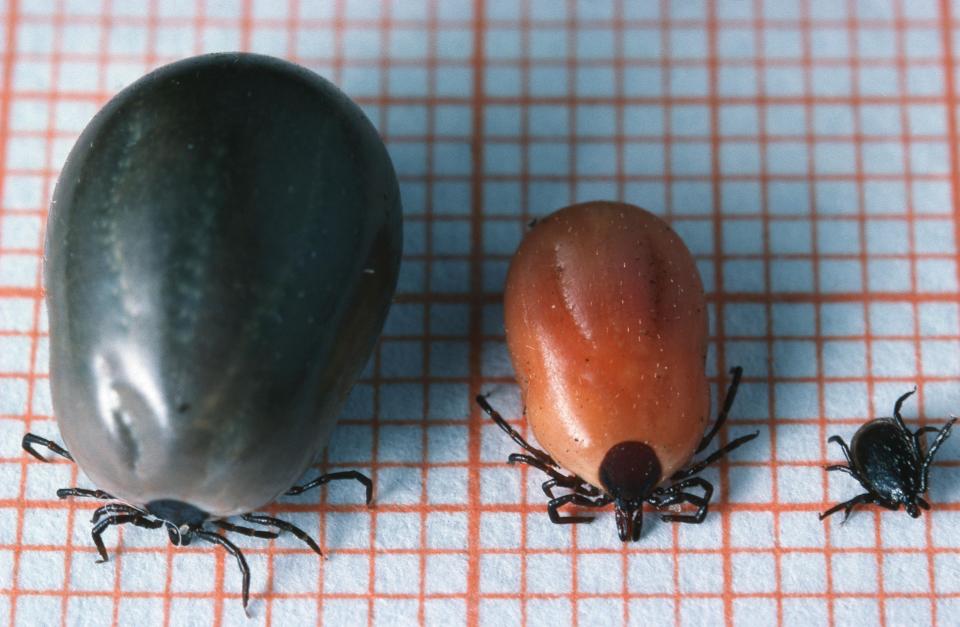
<point x="699" y="466"/>
<point x="542" y="456"/>
<point x="83" y="493"/>
<point x="928" y="459"/>
<point x="538" y="459"/>
<point x="29" y="440"/>
<point x="335" y="476"/>
<point x="690" y="471"/>
<point x="736" y="372"/>
<point x="675" y="495"/>
<point x="557" y="479"/>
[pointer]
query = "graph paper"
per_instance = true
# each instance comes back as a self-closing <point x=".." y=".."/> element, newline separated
<point x="804" y="151"/>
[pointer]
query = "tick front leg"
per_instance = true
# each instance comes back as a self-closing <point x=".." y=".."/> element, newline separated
<point x="847" y="506"/>
<point x="675" y="494"/>
<point x="554" y="506"/>
<point x="569" y="483"/>
<point x="119" y="519"/>
<point x="111" y="509"/>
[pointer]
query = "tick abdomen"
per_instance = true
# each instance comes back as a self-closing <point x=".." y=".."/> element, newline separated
<point x="886" y="459"/>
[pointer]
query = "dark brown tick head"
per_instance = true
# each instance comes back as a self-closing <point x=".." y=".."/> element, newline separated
<point x="181" y="519"/>
<point x="630" y="471"/>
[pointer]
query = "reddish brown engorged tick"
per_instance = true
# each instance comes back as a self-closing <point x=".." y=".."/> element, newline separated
<point x="606" y="323"/>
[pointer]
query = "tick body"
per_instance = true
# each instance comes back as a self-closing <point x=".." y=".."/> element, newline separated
<point x="221" y="252"/>
<point x="606" y="324"/>
<point x="889" y="461"/>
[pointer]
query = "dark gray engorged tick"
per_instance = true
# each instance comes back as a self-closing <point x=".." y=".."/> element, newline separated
<point x="222" y="248"/>
<point x="889" y="462"/>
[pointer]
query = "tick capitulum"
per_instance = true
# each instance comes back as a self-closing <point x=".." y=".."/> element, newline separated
<point x="889" y="462"/>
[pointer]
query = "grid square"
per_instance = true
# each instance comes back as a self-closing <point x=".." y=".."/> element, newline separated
<point x="549" y="573"/>
<point x="599" y="573"/>
<point x="649" y="573"/>
<point x="905" y="572"/>
<point x="804" y="611"/>
<point x="902" y="611"/>
<point x="855" y="572"/>
<point x="754" y="573"/>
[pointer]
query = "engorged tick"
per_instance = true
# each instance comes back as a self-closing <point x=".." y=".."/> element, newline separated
<point x="211" y="308"/>
<point x="619" y="414"/>
<point x="889" y="462"/>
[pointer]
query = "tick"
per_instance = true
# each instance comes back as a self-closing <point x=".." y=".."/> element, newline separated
<point x="222" y="248"/>
<point x="889" y="462"/>
<point x="606" y="324"/>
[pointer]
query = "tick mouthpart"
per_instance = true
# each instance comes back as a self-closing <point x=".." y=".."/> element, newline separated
<point x="629" y="472"/>
<point x="913" y="506"/>
<point x="629" y="522"/>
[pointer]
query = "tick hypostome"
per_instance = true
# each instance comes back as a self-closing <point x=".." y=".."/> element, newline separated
<point x="889" y="462"/>
<point x="222" y="248"/>
<point x="606" y="324"/>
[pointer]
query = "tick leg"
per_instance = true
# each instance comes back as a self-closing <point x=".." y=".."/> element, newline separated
<point x="737" y="372"/>
<point x="232" y="549"/>
<point x="285" y="526"/>
<point x="119" y="519"/>
<point x="513" y="433"/>
<point x="848" y="506"/>
<point x="555" y="504"/>
<point x="548" y="486"/>
<point x="898" y="405"/>
<point x="246" y="531"/>
<point x="937" y="442"/>
<point x="696" y="468"/>
<point x="575" y="484"/>
<point x="572" y="482"/>
<point x="83" y="492"/>
<point x="335" y="476"/>
<point x="111" y="509"/>
<point x="850" y="471"/>
<point x="843" y="447"/>
<point x="674" y="494"/>
<point x="918" y="434"/>
<point x="30" y="439"/>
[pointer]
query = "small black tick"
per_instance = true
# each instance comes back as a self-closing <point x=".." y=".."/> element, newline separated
<point x="889" y="462"/>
